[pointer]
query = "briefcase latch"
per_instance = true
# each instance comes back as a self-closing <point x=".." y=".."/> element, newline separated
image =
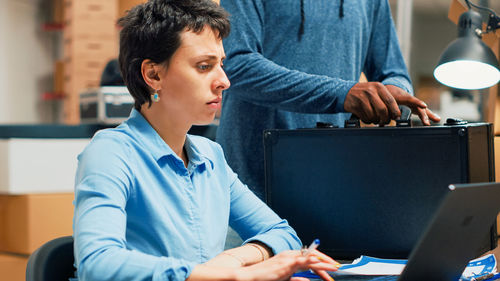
<point x="404" y="120"/>
<point x="353" y="122"/>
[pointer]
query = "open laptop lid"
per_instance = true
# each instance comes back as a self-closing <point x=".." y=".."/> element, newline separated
<point x="455" y="233"/>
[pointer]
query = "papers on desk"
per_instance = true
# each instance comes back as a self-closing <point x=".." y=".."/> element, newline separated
<point x="480" y="267"/>
<point x="365" y="265"/>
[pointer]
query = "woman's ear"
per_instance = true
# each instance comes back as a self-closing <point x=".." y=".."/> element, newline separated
<point x="150" y="74"/>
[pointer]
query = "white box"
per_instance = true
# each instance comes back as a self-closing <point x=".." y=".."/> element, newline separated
<point x="39" y="165"/>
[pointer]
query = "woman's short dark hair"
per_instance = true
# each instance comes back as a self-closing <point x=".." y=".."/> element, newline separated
<point x="152" y="31"/>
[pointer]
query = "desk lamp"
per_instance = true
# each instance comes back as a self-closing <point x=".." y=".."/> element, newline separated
<point x="468" y="63"/>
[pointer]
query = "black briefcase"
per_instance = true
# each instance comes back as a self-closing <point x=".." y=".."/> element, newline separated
<point x="371" y="191"/>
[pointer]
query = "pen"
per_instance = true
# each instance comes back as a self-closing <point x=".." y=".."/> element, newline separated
<point x="312" y="247"/>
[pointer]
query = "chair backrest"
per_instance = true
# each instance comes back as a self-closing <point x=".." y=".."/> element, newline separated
<point x="53" y="261"/>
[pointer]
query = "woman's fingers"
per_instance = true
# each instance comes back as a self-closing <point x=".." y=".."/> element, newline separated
<point x="299" y="279"/>
<point x="323" y="275"/>
<point x="325" y="258"/>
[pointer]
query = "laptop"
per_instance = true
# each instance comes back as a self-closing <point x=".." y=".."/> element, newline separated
<point x="455" y="233"/>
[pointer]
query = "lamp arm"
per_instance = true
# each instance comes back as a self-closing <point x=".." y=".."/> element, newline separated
<point x="493" y="21"/>
<point x="469" y="4"/>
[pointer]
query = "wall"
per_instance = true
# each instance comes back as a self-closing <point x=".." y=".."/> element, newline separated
<point x="26" y="56"/>
<point x="430" y="36"/>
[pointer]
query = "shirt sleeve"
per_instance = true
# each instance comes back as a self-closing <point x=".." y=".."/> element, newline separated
<point x="102" y="188"/>
<point x="384" y="61"/>
<point x="255" y="221"/>
<point x="259" y="80"/>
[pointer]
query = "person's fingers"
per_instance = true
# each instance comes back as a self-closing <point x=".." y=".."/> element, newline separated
<point x="426" y="114"/>
<point x="433" y="116"/>
<point x="315" y="262"/>
<point x="366" y="112"/>
<point x="422" y="114"/>
<point x="405" y="98"/>
<point x="322" y="266"/>
<point x="380" y="108"/>
<point x="299" y="279"/>
<point x="374" y="102"/>
<point x="418" y="106"/>
<point x="361" y="107"/>
<point x="325" y="258"/>
<point x="389" y="101"/>
<point x="358" y="101"/>
<point x="409" y="100"/>
<point x="323" y="275"/>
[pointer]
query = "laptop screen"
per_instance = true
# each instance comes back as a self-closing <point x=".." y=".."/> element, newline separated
<point x="454" y="233"/>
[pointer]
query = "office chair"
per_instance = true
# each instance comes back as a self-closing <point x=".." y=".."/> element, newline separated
<point x="53" y="261"/>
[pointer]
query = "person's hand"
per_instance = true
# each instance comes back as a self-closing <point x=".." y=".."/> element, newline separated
<point x="285" y="264"/>
<point x="405" y="98"/>
<point x="374" y="102"/>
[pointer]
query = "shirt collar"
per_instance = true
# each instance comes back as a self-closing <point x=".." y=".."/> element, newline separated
<point x="195" y="154"/>
<point x="148" y="136"/>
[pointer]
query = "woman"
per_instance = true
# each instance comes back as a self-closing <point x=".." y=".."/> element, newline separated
<point x="153" y="203"/>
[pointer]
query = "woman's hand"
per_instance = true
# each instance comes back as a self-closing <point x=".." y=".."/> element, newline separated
<point x="285" y="264"/>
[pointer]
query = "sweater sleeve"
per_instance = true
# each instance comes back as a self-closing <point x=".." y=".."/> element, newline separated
<point x="385" y="62"/>
<point x="103" y="186"/>
<point x="258" y="80"/>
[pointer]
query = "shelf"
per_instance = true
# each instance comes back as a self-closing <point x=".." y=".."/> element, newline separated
<point x="52" y="26"/>
<point x="53" y="96"/>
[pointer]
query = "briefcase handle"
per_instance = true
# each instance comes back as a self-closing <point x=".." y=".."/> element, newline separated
<point x="403" y="121"/>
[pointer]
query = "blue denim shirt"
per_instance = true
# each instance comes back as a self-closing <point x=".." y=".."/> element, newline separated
<point x="140" y="214"/>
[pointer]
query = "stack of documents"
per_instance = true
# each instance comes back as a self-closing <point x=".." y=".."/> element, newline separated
<point x="365" y="265"/>
<point x="370" y="266"/>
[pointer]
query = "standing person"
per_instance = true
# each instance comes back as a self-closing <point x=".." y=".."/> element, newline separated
<point x="296" y="62"/>
<point x="153" y="203"/>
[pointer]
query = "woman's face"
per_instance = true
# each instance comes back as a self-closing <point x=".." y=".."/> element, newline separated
<point x="193" y="81"/>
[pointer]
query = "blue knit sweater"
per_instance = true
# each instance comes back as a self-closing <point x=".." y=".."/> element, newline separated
<point x="283" y="78"/>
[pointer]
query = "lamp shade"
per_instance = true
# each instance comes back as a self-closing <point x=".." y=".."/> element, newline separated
<point x="468" y="63"/>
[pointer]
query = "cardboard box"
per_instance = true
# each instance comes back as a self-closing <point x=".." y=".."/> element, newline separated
<point x="28" y="221"/>
<point x="39" y="165"/>
<point x="13" y="267"/>
<point x="91" y="27"/>
<point x="85" y="53"/>
<point x="90" y="31"/>
<point x="125" y="5"/>
<point x="89" y="10"/>
<point x="85" y="33"/>
<point x="58" y="11"/>
<point x="59" y="77"/>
